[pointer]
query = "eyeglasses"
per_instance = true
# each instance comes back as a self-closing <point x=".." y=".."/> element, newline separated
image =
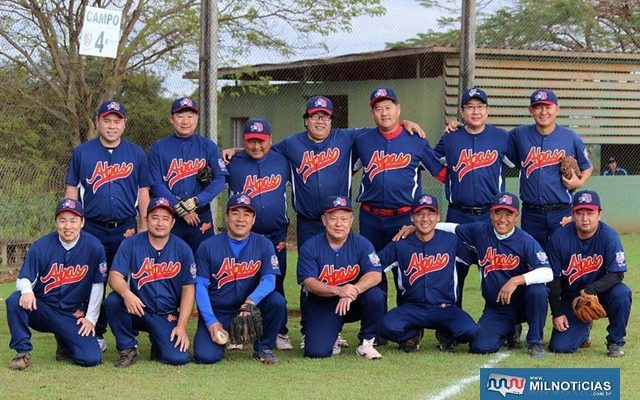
<point x="479" y="107"/>
<point x="319" y="117"/>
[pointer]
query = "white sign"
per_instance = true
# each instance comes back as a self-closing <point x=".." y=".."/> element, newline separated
<point x="100" y="32"/>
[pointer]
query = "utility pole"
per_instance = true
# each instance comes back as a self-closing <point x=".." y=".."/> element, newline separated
<point x="467" y="47"/>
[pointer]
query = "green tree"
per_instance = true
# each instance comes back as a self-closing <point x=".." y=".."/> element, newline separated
<point x="570" y="25"/>
<point x="41" y="37"/>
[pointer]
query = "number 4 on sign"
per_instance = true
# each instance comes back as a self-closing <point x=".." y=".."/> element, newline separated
<point x="101" y="32"/>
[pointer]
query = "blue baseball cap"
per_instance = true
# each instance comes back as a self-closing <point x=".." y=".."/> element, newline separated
<point x="319" y="104"/>
<point x="334" y="203"/>
<point x="506" y="201"/>
<point x="257" y="128"/>
<point x="184" y="103"/>
<point x="424" y="201"/>
<point x="240" y="200"/>
<point x="71" y="205"/>
<point x="543" y="96"/>
<point x="159" y="202"/>
<point x="112" y="107"/>
<point x="586" y="199"/>
<point x="383" y="93"/>
<point x="474" y="93"/>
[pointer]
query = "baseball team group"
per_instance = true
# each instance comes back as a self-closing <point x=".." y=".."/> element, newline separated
<point x="142" y="224"/>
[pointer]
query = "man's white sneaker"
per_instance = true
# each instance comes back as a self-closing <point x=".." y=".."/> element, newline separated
<point x="102" y="343"/>
<point x="342" y="342"/>
<point x="283" y="342"/>
<point x="336" y="347"/>
<point x="367" y="350"/>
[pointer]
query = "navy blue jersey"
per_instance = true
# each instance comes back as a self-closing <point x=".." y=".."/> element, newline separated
<point x="231" y="279"/>
<point x="109" y="179"/>
<point x="391" y="176"/>
<point x="319" y="169"/>
<point x="356" y="257"/>
<point x="174" y="163"/>
<point x="578" y="262"/>
<point x="156" y="276"/>
<point x="538" y="157"/>
<point x="427" y="270"/>
<point x="475" y="175"/>
<point x="500" y="260"/>
<point x="63" y="278"/>
<point x="265" y="182"/>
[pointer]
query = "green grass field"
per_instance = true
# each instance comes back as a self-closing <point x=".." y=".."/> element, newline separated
<point x="397" y="376"/>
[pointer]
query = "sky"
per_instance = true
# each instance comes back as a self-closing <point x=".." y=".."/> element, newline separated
<point x="403" y="20"/>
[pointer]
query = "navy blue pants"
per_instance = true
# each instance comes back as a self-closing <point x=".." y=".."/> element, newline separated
<point x="194" y="235"/>
<point x="323" y="324"/>
<point x="541" y="225"/>
<point x="82" y="350"/>
<point x="403" y="322"/>
<point x="616" y="301"/>
<point x="307" y="228"/>
<point x="528" y="304"/>
<point x="110" y="239"/>
<point x="125" y="328"/>
<point x="277" y="238"/>
<point x="272" y="307"/>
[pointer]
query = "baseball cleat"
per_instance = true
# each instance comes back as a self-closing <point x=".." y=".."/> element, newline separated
<point x="127" y="358"/>
<point x="367" y="350"/>
<point x="445" y="341"/>
<point x="615" y="350"/>
<point x="336" y="347"/>
<point x="234" y="346"/>
<point x="21" y="361"/>
<point x="265" y="356"/>
<point x="102" y="343"/>
<point x="412" y="345"/>
<point x="342" y="342"/>
<point x="283" y="342"/>
<point x="536" y="350"/>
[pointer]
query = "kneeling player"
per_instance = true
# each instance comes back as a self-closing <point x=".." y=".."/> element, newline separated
<point x="159" y="297"/>
<point x="237" y="269"/>
<point x="426" y="261"/>
<point x="340" y="270"/>
<point x="587" y="255"/>
<point x="63" y="271"/>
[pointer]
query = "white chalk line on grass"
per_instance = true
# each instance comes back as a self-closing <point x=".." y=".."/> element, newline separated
<point x="459" y="387"/>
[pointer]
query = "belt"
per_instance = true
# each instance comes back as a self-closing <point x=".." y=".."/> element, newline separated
<point x="386" y="212"/>
<point x="545" y="208"/>
<point x="110" y="224"/>
<point x="470" y="210"/>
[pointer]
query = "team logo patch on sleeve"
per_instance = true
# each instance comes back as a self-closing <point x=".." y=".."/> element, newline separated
<point x="274" y="262"/>
<point x="620" y="258"/>
<point x="375" y="260"/>
<point x="221" y="164"/>
<point x="103" y="268"/>
<point x="193" y="269"/>
<point x="542" y="257"/>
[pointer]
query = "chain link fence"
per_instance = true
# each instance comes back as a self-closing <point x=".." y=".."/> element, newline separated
<point x="599" y="95"/>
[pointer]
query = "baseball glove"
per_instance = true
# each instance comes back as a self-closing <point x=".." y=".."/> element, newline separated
<point x="246" y="328"/>
<point x="569" y="164"/>
<point x="184" y="207"/>
<point x="587" y="307"/>
<point x="205" y="176"/>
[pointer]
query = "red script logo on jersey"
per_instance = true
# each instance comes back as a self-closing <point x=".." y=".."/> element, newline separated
<point x="151" y="272"/>
<point x="315" y="162"/>
<point x="493" y="261"/>
<point x="538" y="159"/>
<point x="254" y="186"/>
<point x="468" y="161"/>
<point x="180" y="169"/>
<point x="234" y="271"/>
<point x="60" y="275"/>
<point x="339" y="276"/>
<point x="580" y="266"/>
<point x="384" y="162"/>
<point x="104" y="173"/>
<point x="421" y="265"/>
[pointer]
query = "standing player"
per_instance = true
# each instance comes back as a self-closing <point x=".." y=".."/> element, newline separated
<point x="339" y="271"/>
<point x="587" y="255"/>
<point x="110" y="176"/>
<point x="537" y="149"/>
<point x="237" y="267"/>
<point x="187" y="169"/>
<point x="426" y="261"/>
<point x="262" y="175"/>
<point x="59" y="290"/>
<point x="513" y="270"/>
<point x="153" y="290"/>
